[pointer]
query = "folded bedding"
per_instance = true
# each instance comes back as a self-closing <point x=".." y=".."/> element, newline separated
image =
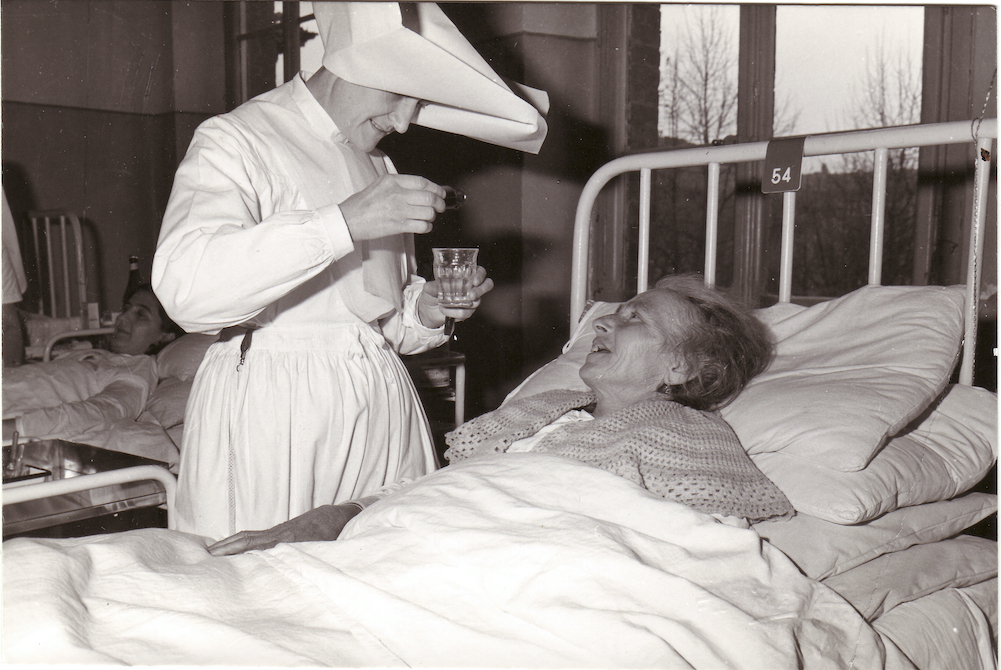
<point x="944" y="629"/>
<point x="524" y="560"/>
<point x="823" y="549"/>
<point x="944" y="452"/>
<point x="876" y="587"/>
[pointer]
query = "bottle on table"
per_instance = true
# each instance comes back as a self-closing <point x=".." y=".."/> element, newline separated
<point x="135" y="279"/>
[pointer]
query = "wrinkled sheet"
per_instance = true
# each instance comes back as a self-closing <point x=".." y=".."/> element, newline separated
<point x="518" y="560"/>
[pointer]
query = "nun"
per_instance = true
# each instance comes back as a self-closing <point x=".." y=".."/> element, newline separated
<point x="290" y="234"/>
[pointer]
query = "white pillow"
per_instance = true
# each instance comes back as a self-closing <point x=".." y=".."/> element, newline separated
<point x="945" y="452"/>
<point x="850" y="372"/>
<point x="167" y="403"/>
<point x="180" y="359"/>
<point x="822" y="549"/>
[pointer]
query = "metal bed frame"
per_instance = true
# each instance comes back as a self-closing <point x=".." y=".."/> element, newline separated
<point x="57" y="245"/>
<point x="978" y="132"/>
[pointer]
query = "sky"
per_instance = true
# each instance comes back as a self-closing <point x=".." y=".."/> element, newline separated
<point x="822" y="51"/>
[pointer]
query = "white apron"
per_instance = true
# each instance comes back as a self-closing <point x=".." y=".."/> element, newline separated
<point x="309" y="418"/>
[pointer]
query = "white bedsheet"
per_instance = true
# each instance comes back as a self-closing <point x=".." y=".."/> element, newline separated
<point x="527" y="560"/>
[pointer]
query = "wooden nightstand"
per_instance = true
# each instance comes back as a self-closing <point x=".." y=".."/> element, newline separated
<point x="440" y="378"/>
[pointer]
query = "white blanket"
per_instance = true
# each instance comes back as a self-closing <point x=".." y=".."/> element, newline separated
<point x="518" y="560"/>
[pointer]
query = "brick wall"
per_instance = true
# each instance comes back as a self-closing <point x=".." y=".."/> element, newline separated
<point x="644" y="76"/>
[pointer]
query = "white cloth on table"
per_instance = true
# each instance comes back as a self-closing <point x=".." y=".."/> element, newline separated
<point x="322" y="409"/>
<point x="71" y="395"/>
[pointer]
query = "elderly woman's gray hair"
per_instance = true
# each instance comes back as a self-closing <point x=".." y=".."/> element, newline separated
<point x="726" y="346"/>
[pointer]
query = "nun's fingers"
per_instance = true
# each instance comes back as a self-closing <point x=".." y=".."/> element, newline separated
<point x="391" y="205"/>
<point x="475" y="293"/>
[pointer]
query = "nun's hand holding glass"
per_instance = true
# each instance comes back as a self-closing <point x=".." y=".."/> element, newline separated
<point x="391" y="205"/>
<point x="433" y="314"/>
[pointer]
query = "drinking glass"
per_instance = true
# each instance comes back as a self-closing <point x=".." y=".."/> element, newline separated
<point x="454" y="268"/>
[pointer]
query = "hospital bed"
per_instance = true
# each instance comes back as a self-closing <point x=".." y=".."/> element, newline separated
<point x="157" y="432"/>
<point x="109" y="468"/>
<point x="531" y="560"/>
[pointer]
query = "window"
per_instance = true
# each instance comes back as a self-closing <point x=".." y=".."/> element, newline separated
<point x="865" y="72"/>
<point x="261" y="35"/>
<point x="697" y="105"/>
<point x="698" y="65"/>
<point x="310" y="50"/>
<point x="835" y="68"/>
<point x="846" y="67"/>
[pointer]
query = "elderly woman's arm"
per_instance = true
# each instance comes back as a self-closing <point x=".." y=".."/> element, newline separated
<point x="319" y="524"/>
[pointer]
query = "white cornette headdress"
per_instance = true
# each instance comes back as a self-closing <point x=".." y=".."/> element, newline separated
<point x="413" y="49"/>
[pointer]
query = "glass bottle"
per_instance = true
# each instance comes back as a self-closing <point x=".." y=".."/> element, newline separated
<point x="134" y="278"/>
<point x="454" y="198"/>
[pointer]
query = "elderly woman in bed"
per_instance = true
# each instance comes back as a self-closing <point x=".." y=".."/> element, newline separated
<point x="65" y="397"/>
<point x="658" y="368"/>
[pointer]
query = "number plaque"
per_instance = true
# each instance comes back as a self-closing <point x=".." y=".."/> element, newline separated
<point x="783" y="165"/>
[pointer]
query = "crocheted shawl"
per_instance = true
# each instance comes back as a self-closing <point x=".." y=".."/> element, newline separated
<point x="676" y="452"/>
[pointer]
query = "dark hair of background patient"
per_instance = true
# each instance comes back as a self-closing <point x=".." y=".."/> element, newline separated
<point x="167" y="324"/>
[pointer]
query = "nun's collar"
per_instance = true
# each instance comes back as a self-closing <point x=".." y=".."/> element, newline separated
<point x="314" y="112"/>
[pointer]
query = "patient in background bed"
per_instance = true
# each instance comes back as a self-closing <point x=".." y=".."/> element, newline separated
<point x="658" y="368"/>
<point x="15" y="282"/>
<point x="63" y="398"/>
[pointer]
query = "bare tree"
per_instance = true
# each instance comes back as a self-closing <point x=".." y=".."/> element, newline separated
<point x="698" y="92"/>
<point x="785" y="117"/>
<point x="698" y="88"/>
<point x="890" y="92"/>
<point x="838" y="206"/>
<point x="698" y="104"/>
<point x="669" y="97"/>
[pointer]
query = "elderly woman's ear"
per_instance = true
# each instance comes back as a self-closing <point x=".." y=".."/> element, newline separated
<point x="678" y="371"/>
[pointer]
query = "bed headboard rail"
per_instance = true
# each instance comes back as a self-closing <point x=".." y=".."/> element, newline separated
<point x="880" y="141"/>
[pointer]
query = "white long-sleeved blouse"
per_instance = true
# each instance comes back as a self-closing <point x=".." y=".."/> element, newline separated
<point x="253" y="233"/>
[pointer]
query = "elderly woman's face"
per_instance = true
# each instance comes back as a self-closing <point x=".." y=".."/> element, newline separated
<point x="366" y="115"/>
<point x="635" y="349"/>
<point x="139" y="326"/>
